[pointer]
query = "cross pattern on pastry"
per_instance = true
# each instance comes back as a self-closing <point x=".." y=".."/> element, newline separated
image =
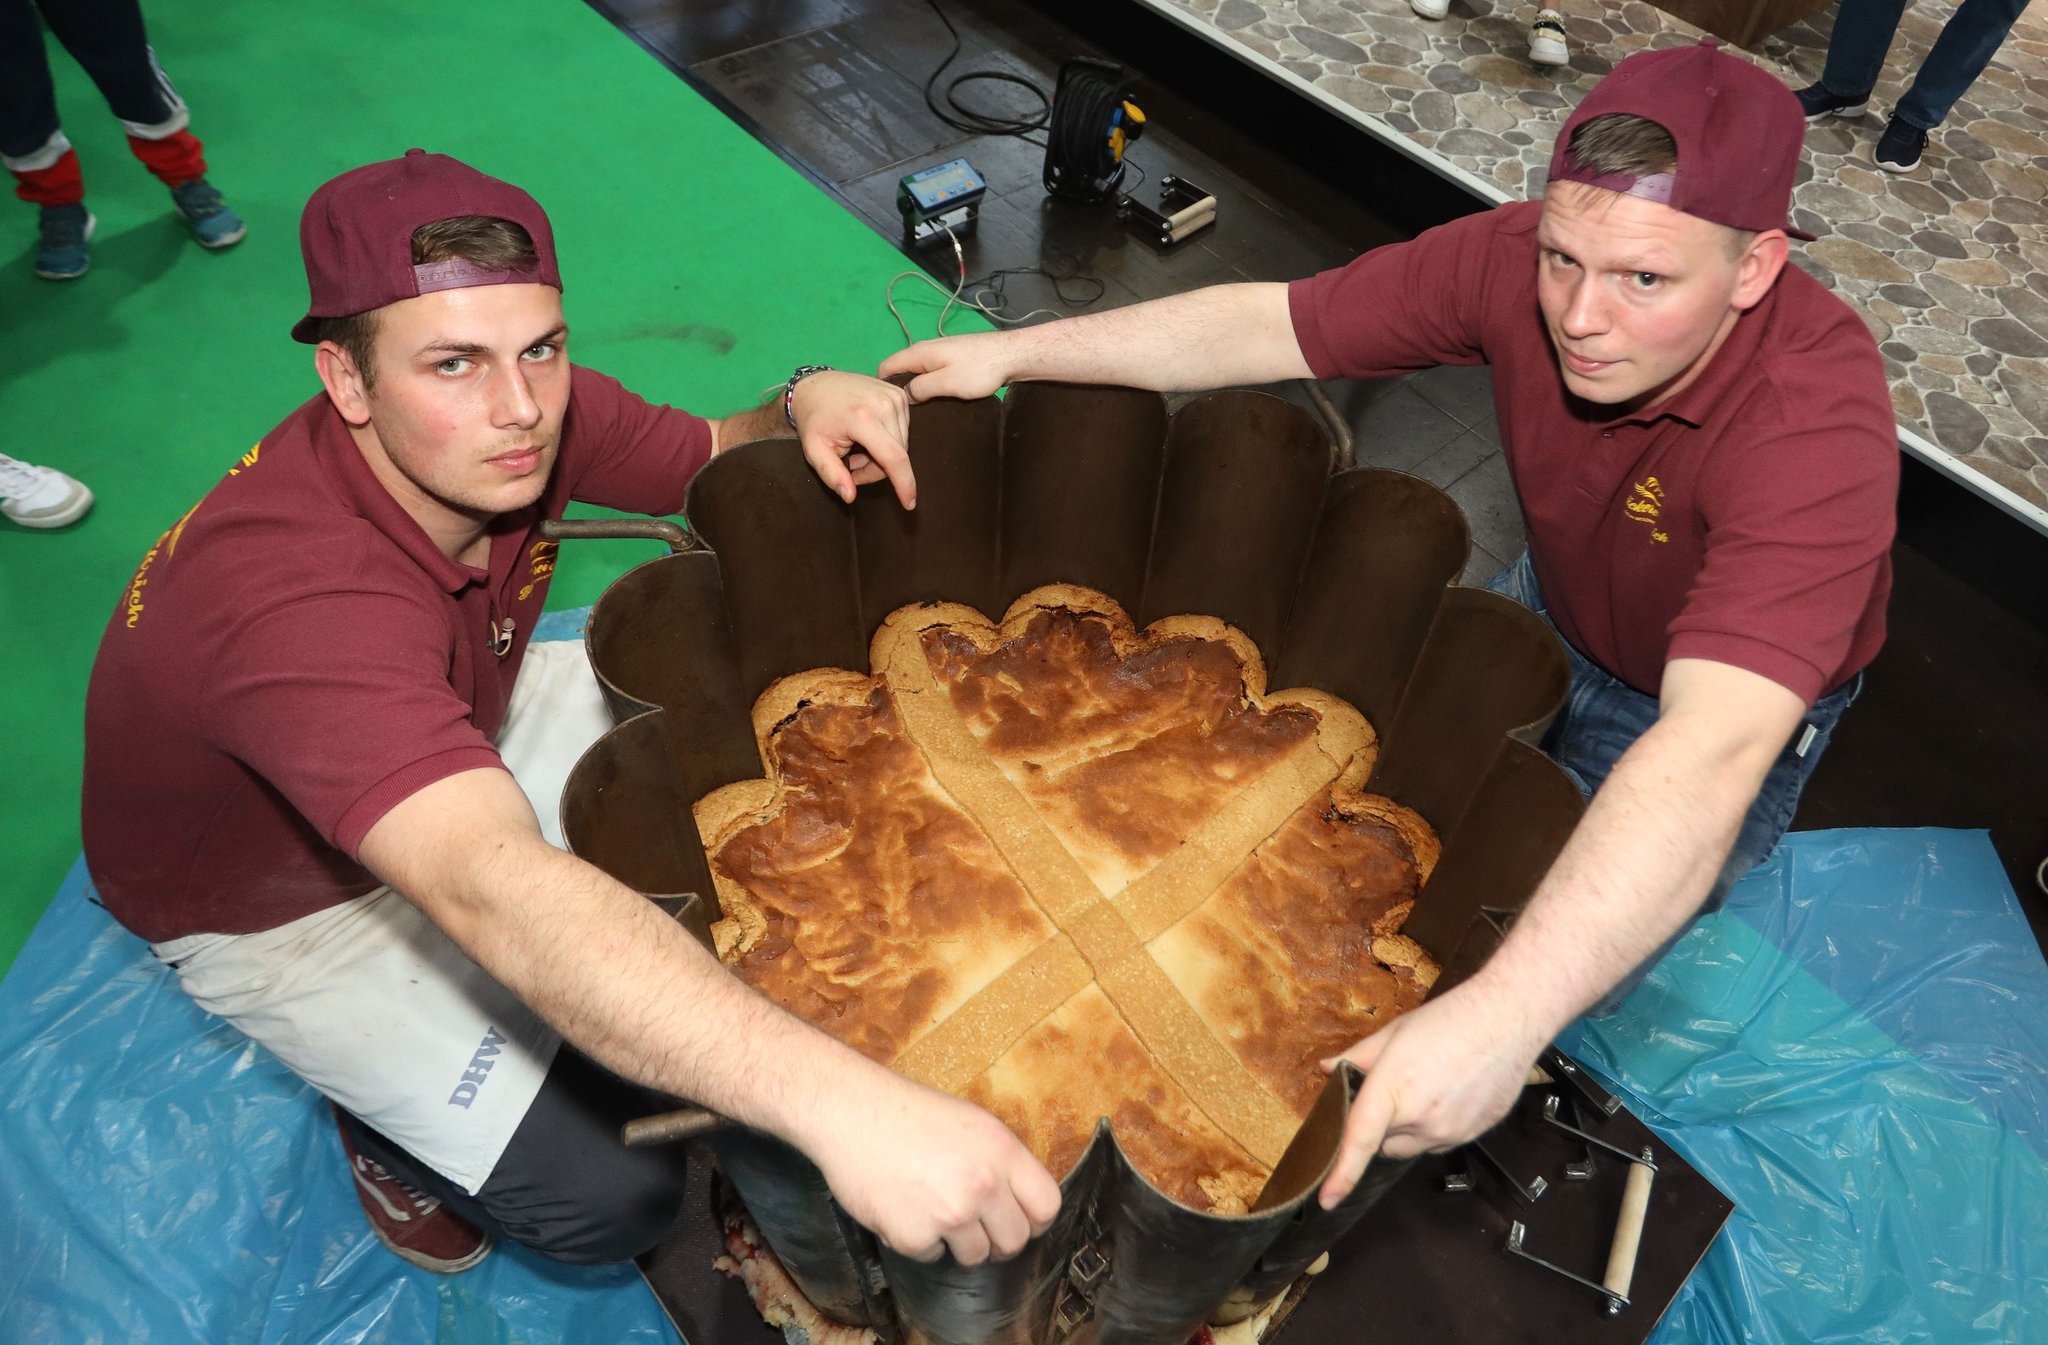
<point x="1068" y="870"/>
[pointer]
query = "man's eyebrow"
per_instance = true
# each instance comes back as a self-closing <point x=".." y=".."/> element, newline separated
<point x="453" y="347"/>
<point x="1655" y="263"/>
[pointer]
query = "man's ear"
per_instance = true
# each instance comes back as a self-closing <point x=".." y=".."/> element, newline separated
<point x="1758" y="268"/>
<point x="343" y="381"/>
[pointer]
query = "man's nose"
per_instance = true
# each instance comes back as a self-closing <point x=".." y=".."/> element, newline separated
<point x="513" y="405"/>
<point x="1585" y="309"/>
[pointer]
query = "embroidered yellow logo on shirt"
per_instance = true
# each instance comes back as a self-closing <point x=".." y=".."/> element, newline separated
<point x="248" y="459"/>
<point x="1645" y="506"/>
<point x="540" y="559"/>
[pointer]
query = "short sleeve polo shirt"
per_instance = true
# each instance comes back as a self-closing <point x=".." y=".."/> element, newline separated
<point x="1747" y="520"/>
<point x="295" y="656"/>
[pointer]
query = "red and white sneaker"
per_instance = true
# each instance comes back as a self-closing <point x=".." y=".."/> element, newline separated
<point x="412" y="1223"/>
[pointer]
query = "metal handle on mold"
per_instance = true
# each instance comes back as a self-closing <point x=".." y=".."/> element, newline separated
<point x="677" y="539"/>
<point x="686" y="1123"/>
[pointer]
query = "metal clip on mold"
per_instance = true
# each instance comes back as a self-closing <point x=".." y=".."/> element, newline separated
<point x="1087" y="1272"/>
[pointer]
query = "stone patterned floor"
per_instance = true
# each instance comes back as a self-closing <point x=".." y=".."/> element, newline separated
<point x="1948" y="267"/>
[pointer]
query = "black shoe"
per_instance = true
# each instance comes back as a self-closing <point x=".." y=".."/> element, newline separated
<point x="1898" y="149"/>
<point x="1817" y="102"/>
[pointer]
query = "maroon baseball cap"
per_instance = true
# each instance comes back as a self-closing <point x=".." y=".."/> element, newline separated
<point x="356" y="235"/>
<point x="1739" y="132"/>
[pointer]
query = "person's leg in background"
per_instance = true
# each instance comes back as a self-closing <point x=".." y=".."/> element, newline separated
<point x="108" y="40"/>
<point x="1856" y="50"/>
<point x="34" y="148"/>
<point x="1971" y="38"/>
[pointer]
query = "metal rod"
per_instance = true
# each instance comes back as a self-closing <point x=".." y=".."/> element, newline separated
<point x="1646" y="1158"/>
<point x="602" y="529"/>
<point x="687" y="1123"/>
<point x="1517" y="1233"/>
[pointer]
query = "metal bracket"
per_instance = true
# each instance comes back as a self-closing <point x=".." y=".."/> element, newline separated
<point x="1479" y="1160"/>
<point x="1550" y="1109"/>
<point x="1088" y="1270"/>
<point x="1572" y="1075"/>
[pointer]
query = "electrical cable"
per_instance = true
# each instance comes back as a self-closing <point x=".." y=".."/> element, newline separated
<point x="991" y="284"/>
<point x="966" y="118"/>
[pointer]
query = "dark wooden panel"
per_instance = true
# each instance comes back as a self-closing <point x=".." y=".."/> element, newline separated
<point x="849" y="111"/>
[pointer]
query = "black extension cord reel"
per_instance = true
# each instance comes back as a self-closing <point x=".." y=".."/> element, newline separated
<point x="1092" y="120"/>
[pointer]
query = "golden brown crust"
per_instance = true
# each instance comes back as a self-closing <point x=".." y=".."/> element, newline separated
<point x="1024" y="848"/>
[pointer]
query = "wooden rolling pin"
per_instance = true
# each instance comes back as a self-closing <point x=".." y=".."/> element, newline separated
<point x="1628" y="1230"/>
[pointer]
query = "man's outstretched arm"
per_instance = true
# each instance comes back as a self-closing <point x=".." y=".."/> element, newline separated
<point x="1635" y="870"/>
<point x="1206" y="338"/>
<point x="633" y="990"/>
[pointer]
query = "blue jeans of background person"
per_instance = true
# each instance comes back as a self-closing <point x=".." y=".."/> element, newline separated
<point x="1863" y="34"/>
<point x="1602" y="717"/>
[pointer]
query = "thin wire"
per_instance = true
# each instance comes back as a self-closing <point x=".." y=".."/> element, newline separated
<point x="992" y="311"/>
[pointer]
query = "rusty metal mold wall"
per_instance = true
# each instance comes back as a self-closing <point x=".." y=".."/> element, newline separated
<point x="1226" y="508"/>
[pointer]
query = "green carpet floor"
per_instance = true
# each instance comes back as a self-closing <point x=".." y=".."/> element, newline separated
<point x="698" y="269"/>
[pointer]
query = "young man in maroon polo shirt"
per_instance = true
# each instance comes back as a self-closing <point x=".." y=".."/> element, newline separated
<point x="1703" y="445"/>
<point x="301" y="735"/>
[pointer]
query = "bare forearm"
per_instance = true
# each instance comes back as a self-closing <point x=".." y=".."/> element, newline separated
<point x="1634" y="871"/>
<point x="1202" y="339"/>
<point x="634" y="991"/>
<point x="744" y="427"/>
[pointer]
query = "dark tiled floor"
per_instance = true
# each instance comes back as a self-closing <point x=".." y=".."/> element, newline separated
<point x="1953" y="726"/>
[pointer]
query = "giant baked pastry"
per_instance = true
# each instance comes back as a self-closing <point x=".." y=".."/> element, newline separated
<point x="1070" y="870"/>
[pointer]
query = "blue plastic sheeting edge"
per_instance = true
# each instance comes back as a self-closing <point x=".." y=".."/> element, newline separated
<point x="566" y="624"/>
<point x="1838" y="1050"/>
<point x="164" y="1180"/>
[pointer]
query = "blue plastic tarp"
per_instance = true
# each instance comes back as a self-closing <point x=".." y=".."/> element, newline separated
<point x="1854" y="1050"/>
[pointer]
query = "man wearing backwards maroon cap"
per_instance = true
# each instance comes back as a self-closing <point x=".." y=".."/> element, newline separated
<point x="298" y="736"/>
<point x="1702" y="443"/>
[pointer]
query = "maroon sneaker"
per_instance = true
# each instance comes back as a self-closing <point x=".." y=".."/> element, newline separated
<point x="412" y="1223"/>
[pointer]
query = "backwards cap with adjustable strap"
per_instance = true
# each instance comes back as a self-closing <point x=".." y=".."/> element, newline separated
<point x="1738" y="129"/>
<point x="356" y="235"/>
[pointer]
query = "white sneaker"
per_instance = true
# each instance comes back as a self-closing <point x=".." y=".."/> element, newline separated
<point x="1546" y="39"/>
<point x="40" y="497"/>
<point x="1430" y="9"/>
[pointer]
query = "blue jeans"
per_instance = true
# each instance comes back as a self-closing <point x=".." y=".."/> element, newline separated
<point x="1863" y="34"/>
<point x="1602" y="717"/>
